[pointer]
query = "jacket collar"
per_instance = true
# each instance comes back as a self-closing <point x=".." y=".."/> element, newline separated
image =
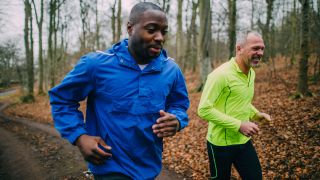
<point x="125" y="58"/>
<point x="236" y="66"/>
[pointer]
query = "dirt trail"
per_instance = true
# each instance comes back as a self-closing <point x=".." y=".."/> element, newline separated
<point x="30" y="150"/>
<point x="15" y="158"/>
<point x="27" y="152"/>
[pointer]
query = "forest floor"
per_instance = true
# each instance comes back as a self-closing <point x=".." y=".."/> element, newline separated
<point x="31" y="150"/>
<point x="289" y="148"/>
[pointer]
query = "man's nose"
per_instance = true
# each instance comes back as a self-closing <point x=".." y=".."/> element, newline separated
<point x="159" y="37"/>
<point x="260" y="52"/>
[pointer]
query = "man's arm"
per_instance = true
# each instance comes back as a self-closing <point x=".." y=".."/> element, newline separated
<point x="174" y="117"/>
<point x="213" y="89"/>
<point x="259" y="116"/>
<point x="65" y="98"/>
<point x="250" y="128"/>
<point x="68" y="120"/>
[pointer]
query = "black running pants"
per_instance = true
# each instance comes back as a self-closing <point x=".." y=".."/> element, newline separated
<point x="243" y="157"/>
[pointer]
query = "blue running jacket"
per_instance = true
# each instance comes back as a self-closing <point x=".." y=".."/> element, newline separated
<point x="123" y="102"/>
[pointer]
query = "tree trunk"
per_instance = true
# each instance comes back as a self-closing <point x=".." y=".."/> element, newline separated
<point x="193" y="29"/>
<point x="28" y="42"/>
<point x="52" y="11"/>
<point x="232" y="5"/>
<point x="165" y="4"/>
<point x="204" y="42"/>
<point x="54" y="45"/>
<point x="119" y="21"/>
<point x="252" y="15"/>
<point x="266" y="30"/>
<point x="293" y="34"/>
<point x="26" y="31"/>
<point x="30" y="65"/>
<point x="97" y="26"/>
<point x="191" y="45"/>
<point x="113" y="22"/>
<point x="179" y="36"/>
<point x="39" y="20"/>
<point x="84" y="11"/>
<point x="303" y="64"/>
<point x="317" y="67"/>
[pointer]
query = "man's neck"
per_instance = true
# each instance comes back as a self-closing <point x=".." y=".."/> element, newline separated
<point x="139" y="60"/>
<point x="243" y="67"/>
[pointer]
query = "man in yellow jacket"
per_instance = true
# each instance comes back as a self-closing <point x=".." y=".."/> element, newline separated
<point x="226" y="104"/>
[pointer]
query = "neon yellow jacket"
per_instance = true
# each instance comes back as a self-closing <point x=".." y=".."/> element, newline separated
<point x="226" y="102"/>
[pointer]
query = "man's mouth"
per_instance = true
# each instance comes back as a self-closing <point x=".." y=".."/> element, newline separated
<point x="155" y="49"/>
<point x="255" y="60"/>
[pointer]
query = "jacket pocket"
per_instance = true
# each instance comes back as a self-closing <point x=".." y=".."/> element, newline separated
<point x="156" y="104"/>
<point x="122" y="104"/>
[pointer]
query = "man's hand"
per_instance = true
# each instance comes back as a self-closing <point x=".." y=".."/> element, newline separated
<point x="263" y="117"/>
<point x="249" y="128"/>
<point x="167" y="125"/>
<point x="90" y="150"/>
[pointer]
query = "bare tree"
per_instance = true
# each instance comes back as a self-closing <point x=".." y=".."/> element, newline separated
<point x="28" y="42"/>
<point x="266" y="29"/>
<point x="97" y="25"/>
<point x="302" y="88"/>
<point x="317" y="65"/>
<point x="119" y="19"/>
<point x="165" y="5"/>
<point x="204" y="42"/>
<point x="232" y="6"/>
<point x="113" y="22"/>
<point x="293" y="34"/>
<point x="8" y="63"/>
<point x="84" y="12"/>
<point x="191" y="49"/>
<point x="315" y="39"/>
<point x="252" y="14"/>
<point x="54" y="16"/>
<point x="51" y="57"/>
<point x="39" y="21"/>
<point x="179" y="51"/>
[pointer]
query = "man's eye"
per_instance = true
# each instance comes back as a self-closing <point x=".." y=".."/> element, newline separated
<point x="151" y="31"/>
<point x="164" y="32"/>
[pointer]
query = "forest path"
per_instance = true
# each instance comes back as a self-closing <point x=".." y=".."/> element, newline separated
<point x="32" y="150"/>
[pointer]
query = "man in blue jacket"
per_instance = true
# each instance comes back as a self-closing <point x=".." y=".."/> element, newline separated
<point x="136" y="96"/>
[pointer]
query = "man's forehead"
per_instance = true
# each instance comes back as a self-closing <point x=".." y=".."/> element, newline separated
<point x="253" y="39"/>
<point x="153" y="16"/>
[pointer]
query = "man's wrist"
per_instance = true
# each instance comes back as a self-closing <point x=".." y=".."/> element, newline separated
<point x="257" y="116"/>
<point x="77" y="141"/>
<point x="178" y="126"/>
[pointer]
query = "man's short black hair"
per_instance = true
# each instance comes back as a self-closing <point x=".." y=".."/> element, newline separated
<point x="139" y="8"/>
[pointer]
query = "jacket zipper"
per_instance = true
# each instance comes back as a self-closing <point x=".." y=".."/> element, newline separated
<point x="249" y="77"/>
<point x="225" y="111"/>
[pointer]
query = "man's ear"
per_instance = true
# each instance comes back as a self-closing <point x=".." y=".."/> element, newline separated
<point x="238" y="48"/>
<point x="129" y="28"/>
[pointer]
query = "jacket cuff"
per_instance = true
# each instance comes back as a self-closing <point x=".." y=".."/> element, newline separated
<point x="237" y="125"/>
<point x="182" y="123"/>
<point x="72" y="138"/>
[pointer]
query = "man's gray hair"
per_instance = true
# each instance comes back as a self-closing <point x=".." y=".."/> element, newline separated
<point x="242" y="36"/>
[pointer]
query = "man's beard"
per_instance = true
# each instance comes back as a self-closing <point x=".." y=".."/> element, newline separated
<point x="255" y="61"/>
